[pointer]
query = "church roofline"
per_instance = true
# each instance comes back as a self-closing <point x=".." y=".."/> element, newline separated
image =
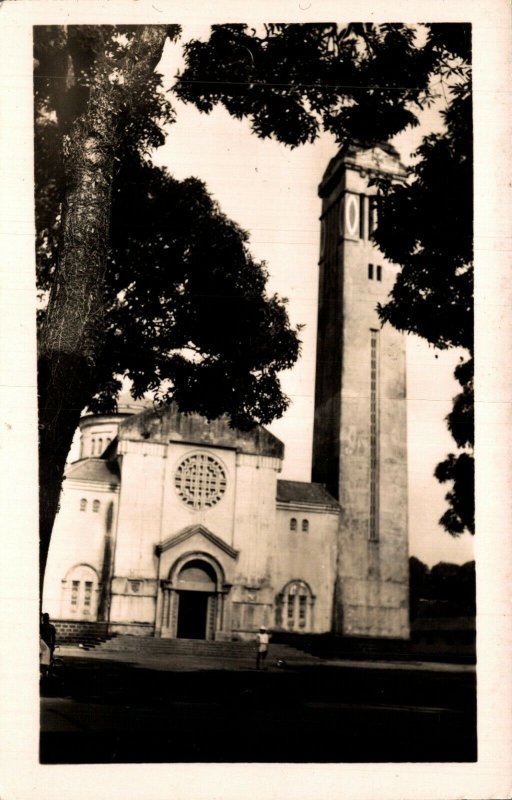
<point x="94" y="470"/>
<point x="347" y="157"/>
<point x="302" y="493"/>
<point x="168" y="425"/>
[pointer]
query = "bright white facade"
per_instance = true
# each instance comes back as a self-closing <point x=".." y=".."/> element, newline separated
<point x="183" y="528"/>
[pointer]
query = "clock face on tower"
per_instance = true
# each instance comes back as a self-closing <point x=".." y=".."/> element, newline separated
<point x="350" y="216"/>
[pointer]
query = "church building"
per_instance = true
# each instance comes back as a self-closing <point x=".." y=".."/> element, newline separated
<point x="172" y="526"/>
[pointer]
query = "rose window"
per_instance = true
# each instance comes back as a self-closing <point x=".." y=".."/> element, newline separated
<point x="200" y="481"/>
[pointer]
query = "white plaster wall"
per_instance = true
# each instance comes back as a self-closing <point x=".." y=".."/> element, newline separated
<point x="78" y="538"/>
<point x="310" y="557"/>
<point x="140" y="509"/>
<point x="255" y="518"/>
<point x="133" y="608"/>
<point x="177" y="515"/>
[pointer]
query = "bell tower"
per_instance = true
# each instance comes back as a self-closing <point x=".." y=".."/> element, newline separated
<point x="360" y="436"/>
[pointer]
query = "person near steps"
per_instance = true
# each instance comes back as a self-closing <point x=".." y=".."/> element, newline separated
<point x="262" y="640"/>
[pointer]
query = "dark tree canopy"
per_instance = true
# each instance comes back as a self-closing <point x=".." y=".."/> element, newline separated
<point x="293" y="81"/>
<point x="443" y="590"/>
<point x="193" y="312"/>
<point x="188" y="317"/>
<point x="186" y="313"/>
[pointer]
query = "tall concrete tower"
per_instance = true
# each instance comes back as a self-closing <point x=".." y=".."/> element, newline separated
<point x="360" y="437"/>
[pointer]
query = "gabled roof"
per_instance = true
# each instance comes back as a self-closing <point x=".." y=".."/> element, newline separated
<point x="302" y="492"/>
<point x="98" y="470"/>
<point x="192" y="530"/>
<point x="170" y="425"/>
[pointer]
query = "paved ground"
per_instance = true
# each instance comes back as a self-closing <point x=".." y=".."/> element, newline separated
<point x="192" y="663"/>
<point x="187" y="709"/>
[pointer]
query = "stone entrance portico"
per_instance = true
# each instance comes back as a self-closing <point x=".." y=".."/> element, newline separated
<point x="195" y="575"/>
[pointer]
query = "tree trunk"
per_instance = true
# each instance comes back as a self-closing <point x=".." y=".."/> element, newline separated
<point x="71" y="338"/>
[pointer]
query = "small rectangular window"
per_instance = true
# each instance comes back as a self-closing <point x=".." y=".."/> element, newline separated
<point x="379" y="273"/>
<point x="370" y="272"/>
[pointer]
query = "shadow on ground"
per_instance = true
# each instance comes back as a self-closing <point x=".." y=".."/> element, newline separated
<point x="97" y="711"/>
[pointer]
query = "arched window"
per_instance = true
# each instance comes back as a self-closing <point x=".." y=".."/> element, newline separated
<point x="83" y="504"/>
<point x="294" y="607"/>
<point x="80" y="593"/>
<point x="100" y="446"/>
<point x="293" y="524"/>
<point x="305" y="525"/>
<point x="96" y="506"/>
<point x="93" y="445"/>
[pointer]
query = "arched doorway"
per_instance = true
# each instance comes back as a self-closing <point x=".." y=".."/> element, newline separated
<point x="192" y="600"/>
<point x="196" y="587"/>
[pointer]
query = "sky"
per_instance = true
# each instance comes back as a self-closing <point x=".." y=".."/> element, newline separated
<point x="271" y="191"/>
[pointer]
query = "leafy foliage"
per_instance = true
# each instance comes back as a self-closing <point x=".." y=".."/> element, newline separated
<point x="459" y="469"/>
<point x="189" y="310"/>
<point x="188" y="316"/>
<point x="65" y="65"/>
<point x="444" y="590"/>
<point x="460" y="515"/>
<point x="294" y="80"/>
<point x="425" y="226"/>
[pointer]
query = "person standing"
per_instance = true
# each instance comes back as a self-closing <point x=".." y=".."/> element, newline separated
<point x="262" y="640"/>
<point x="47" y="633"/>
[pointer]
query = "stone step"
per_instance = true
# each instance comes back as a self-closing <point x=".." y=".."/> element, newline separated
<point x="199" y="647"/>
<point x="88" y="640"/>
